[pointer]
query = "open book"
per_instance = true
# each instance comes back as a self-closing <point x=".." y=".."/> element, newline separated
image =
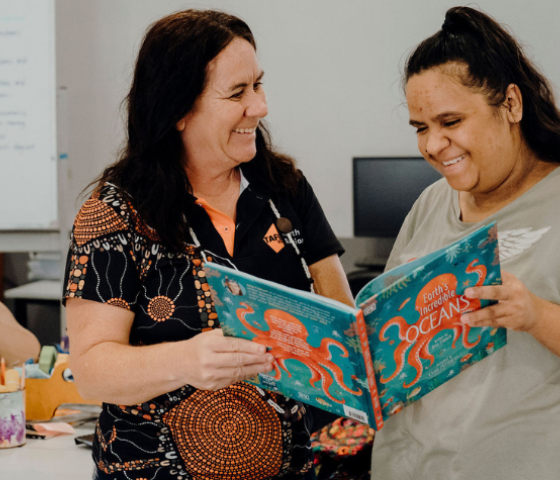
<point x="405" y="340"/>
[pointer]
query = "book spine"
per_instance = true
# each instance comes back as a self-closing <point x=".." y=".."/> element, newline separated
<point x="368" y="361"/>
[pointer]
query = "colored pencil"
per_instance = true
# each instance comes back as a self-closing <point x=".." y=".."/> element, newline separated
<point x="3" y="371"/>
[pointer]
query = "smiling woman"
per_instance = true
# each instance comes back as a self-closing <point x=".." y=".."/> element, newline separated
<point x="486" y="119"/>
<point x="478" y="148"/>
<point x="197" y="181"/>
<point x="222" y="126"/>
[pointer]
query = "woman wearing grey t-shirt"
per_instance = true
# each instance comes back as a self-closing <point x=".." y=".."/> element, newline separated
<point x="486" y="119"/>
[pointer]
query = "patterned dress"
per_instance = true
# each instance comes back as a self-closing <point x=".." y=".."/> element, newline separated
<point x="236" y="432"/>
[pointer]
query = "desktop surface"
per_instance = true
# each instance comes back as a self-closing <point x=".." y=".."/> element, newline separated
<point x="57" y="458"/>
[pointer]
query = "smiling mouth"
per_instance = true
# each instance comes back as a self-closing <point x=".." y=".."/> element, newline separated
<point x="454" y="161"/>
<point x="245" y="130"/>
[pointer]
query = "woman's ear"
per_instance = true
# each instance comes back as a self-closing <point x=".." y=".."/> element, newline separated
<point x="180" y="125"/>
<point x="514" y="104"/>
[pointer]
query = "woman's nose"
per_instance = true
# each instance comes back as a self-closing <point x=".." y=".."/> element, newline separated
<point x="257" y="106"/>
<point x="435" y="142"/>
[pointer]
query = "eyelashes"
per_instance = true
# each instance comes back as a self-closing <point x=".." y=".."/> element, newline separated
<point x="237" y="96"/>
<point x="451" y="123"/>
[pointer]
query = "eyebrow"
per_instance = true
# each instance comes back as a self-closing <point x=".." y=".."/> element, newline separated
<point x="244" y="84"/>
<point x="438" y="118"/>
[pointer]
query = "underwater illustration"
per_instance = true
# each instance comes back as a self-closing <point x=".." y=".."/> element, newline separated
<point x="409" y="338"/>
<point x="418" y="341"/>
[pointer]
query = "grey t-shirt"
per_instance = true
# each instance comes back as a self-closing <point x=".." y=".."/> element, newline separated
<point x="500" y="419"/>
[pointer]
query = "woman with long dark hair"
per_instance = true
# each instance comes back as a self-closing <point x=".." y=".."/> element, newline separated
<point x="486" y="119"/>
<point x="197" y="180"/>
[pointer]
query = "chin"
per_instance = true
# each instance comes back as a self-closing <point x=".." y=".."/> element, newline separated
<point x="245" y="157"/>
<point x="461" y="184"/>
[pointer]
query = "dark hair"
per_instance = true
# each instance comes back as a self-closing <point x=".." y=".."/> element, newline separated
<point x="169" y="76"/>
<point x="494" y="60"/>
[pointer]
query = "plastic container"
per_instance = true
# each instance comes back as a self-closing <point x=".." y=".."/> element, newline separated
<point x="12" y="419"/>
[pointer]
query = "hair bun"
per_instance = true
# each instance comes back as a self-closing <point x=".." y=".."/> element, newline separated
<point x="448" y="25"/>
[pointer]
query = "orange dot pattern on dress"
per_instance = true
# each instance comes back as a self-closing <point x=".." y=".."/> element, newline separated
<point x="227" y="434"/>
<point x="105" y="443"/>
<point x="208" y="315"/>
<point x="119" y="302"/>
<point x="77" y="275"/>
<point x="130" y="465"/>
<point x="96" y="219"/>
<point x="161" y="308"/>
<point x="141" y="227"/>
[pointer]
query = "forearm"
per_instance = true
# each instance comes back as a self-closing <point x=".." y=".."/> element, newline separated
<point x="128" y="375"/>
<point x="547" y="328"/>
<point x="330" y="280"/>
<point x="18" y="345"/>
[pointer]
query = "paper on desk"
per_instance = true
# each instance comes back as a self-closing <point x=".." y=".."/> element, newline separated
<point x="54" y="428"/>
<point x="76" y="414"/>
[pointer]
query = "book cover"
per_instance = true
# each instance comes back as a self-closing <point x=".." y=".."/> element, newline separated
<point x="318" y="357"/>
<point x="413" y="312"/>
<point x="369" y="363"/>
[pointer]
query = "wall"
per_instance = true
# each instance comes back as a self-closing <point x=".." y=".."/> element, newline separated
<point x="332" y="78"/>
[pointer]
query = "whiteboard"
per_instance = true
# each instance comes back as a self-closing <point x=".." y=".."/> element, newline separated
<point x="28" y="156"/>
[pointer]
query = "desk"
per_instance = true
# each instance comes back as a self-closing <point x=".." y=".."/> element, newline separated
<point x="44" y="292"/>
<point x="58" y="458"/>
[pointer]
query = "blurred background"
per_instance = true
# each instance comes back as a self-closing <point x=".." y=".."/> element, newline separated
<point x="333" y="82"/>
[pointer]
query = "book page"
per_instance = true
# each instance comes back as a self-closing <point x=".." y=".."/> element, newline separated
<point x="318" y="356"/>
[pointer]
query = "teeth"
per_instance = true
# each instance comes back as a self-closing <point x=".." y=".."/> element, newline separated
<point x="245" y="130"/>
<point x="454" y="161"/>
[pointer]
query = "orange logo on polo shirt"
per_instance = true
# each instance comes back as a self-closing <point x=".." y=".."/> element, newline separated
<point x="273" y="239"/>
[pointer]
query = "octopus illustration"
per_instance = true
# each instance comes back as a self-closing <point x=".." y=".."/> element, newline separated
<point x="440" y="309"/>
<point x="287" y="339"/>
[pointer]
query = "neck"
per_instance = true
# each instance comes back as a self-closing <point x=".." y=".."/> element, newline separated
<point x="211" y="184"/>
<point x="219" y="188"/>
<point x="476" y="206"/>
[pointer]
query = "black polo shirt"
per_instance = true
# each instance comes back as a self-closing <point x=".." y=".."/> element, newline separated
<point x="259" y="248"/>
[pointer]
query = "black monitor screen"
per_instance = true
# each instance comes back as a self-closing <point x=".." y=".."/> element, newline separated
<point x="385" y="190"/>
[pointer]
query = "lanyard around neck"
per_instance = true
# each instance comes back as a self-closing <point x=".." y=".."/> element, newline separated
<point x="283" y="224"/>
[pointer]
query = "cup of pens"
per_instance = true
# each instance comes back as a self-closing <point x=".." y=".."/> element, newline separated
<point x="12" y="407"/>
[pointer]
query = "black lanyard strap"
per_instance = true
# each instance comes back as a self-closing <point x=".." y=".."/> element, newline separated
<point x="287" y="225"/>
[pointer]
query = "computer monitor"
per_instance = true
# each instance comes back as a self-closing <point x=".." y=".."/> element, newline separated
<point x="385" y="189"/>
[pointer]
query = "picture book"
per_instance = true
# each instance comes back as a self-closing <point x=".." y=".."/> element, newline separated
<point x="367" y="363"/>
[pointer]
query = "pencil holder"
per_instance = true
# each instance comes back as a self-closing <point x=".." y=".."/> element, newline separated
<point x="12" y="419"/>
